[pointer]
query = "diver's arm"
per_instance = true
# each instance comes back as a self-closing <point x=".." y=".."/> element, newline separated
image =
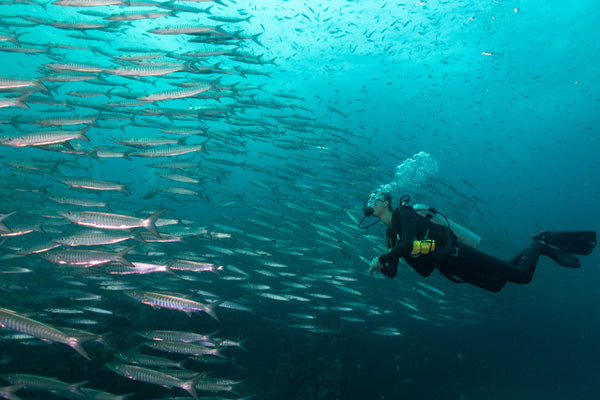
<point x="390" y="269"/>
<point x="408" y="221"/>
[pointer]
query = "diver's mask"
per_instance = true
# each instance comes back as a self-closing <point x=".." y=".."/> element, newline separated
<point x="368" y="209"/>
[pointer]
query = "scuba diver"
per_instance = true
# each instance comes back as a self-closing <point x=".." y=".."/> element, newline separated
<point x="427" y="240"/>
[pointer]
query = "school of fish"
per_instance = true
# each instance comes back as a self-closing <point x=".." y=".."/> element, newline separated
<point x="151" y="167"/>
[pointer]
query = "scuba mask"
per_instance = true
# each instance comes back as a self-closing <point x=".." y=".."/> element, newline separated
<point x="368" y="208"/>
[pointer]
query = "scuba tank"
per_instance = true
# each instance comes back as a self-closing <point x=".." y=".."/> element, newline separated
<point x="463" y="235"/>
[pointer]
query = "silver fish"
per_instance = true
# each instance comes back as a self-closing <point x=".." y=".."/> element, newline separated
<point x="161" y="300"/>
<point x="113" y="221"/>
<point x="86" y="258"/>
<point x="94" y="184"/>
<point x="11" y="320"/>
<point x="154" y="377"/>
<point x="92" y="238"/>
<point x="43" y="138"/>
<point x="176" y="336"/>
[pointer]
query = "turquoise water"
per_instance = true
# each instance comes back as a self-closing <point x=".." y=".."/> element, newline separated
<point x="488" y="110"/>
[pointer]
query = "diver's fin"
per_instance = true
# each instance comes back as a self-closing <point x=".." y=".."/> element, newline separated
<point x="563" y="258"/>
<point x="575" y="242"/>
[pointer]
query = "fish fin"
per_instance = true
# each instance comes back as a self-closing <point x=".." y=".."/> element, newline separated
<point x="67" y="144"/>
<point x="75" y="345"/>
<point x="20" y="101"/>
<point x="82" y="133"/>
<point x="150" y="222"/>
<point x="203" y="148"/>
<point x="120" y="258"/>
<point x="78" y="384"/>
<point x="38" y="84"/>
<point x="190" y="386"/>
<point x="138" y="237"/>
<point x="211" y="310"/>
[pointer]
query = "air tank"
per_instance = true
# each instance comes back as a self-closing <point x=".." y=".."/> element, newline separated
<point x="463" y="235"/>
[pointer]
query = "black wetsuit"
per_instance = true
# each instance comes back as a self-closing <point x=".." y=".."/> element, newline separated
<point x="457" y="262"/>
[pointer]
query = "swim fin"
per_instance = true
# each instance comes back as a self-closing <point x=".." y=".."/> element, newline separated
<point x="562" y="257"/>
<point x="574" y="242"/>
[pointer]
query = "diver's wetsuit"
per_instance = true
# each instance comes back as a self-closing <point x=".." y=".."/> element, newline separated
<point x="455" y="261"/>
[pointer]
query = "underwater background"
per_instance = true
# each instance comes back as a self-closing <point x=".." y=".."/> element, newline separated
<point x="259" y="128"/>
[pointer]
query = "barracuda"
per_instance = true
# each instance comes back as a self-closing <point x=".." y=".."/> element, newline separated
<point x="43" y="383"/>
<point x="161" y="300"/>
<point x="11" y="320"/>
<point x="87" y="258"/>
<point x="42" y="138"/>
<point x="182" y="30"/>
<point x="92" y="238"/>
<point x="94" y="184"/>
<point x="150" y="361"/>
<point x="154" y="377"/>
<point x="112" y="221"/>
<point x="176" y="336"/>
<point x="190" y="349"/>
<point x="169" y="151"/>
<point x="174" y="94"/>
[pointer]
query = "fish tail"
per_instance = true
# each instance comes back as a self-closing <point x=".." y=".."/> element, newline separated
<point x="218" y="354"/>
<point x="150" y="222"/>
<point x="95" y="119"/>
<point x="203" y="147"/>
<point x="255" y="38"/>
<point x="4" y="228"/>
<point x="38" y="84"/>
<point x="82" y="133"/>
<point x="125" y="190"/>
<point x="120" y="258"/>
<point x="20" y="101"/>
<point x="138" y="237"/>
<point x="211" y="310"/>
<point x="190" y="386"/>
<point x="15" y="40"/>
<point x="75" y="388"/>
<point x="76" y="345"/>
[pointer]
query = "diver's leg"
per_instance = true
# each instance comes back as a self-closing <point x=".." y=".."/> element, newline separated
<point x="526" y="262"/>
<point x="473" y="266"/>
<point x="519" y="270"/>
